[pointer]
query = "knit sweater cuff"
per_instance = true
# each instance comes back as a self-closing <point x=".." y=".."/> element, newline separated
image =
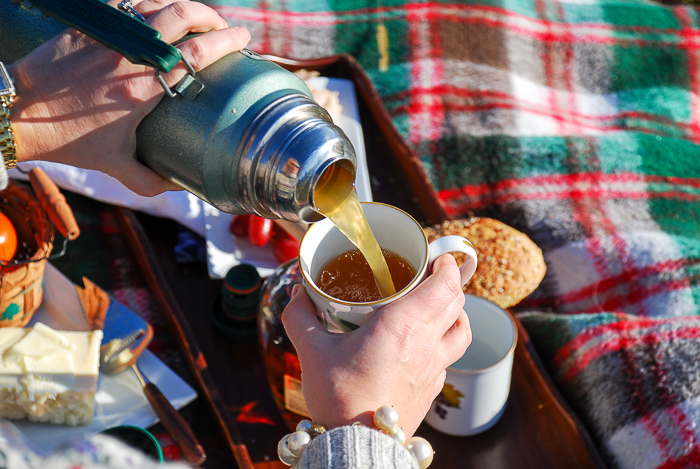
<point x="353" y="447"/>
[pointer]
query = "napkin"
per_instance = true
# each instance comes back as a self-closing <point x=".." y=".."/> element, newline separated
<point x="180" y="206"/>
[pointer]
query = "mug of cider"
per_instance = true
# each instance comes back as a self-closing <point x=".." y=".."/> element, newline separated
<point x="338" y="278"/>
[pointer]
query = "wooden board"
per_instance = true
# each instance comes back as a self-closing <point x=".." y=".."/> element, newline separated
<point x="538" y="428"/>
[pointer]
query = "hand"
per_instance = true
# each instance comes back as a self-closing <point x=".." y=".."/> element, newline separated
<point x="79" y="103"/>
<point x="397" y="358"/>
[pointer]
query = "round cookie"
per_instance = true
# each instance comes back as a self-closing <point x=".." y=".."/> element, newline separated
<point x="511" y="265"/>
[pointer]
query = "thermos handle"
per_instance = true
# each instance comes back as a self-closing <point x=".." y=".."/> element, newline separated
<point x="124" y="33"/>
<point x="119" y="31"/>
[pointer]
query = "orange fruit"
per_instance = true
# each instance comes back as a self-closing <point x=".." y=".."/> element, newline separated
<point x="8" y="238"/>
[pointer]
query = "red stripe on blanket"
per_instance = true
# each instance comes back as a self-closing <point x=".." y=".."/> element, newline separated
<point x="692" y="459"/>
<point x="547" y="62"/>
<point x="614" y="343"/>
<point x="637" y="294"/>
<point x="264" y="35"/>
<point x="568" y="186"/>
<point x="621" y="342"/>
<point x="425" y="48"/>
<point x="683" y="426"/>
<point x="574" y="32"/>
<point x="639" y="401"/>
<point x="485" y="100"/>
<point x="602" y="219"/>
<point x="588" y="178"/>
<point x="569" y="67"/>
<point x="689" y="37"/>
<point x="582" y="214"/>
<point x="602" y="287"/>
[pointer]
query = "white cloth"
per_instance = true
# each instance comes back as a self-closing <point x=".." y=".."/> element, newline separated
<point x="180" y="206"/>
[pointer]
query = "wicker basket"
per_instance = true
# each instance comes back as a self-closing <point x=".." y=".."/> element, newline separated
<point x="35" y="212"/>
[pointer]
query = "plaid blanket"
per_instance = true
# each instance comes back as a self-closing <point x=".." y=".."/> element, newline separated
<point x="578" y="123"/>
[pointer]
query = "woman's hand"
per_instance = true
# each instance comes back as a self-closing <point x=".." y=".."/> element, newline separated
<point x="397" y="358"/>
<point x="79" y="103"/>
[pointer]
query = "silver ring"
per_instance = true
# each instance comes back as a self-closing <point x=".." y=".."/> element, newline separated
<point x="128" y="7"/>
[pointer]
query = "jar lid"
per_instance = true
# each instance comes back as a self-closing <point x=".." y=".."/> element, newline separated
<point x="242" y="279"/>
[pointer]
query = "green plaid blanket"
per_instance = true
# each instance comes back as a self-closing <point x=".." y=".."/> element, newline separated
<point x="578" y="123"/>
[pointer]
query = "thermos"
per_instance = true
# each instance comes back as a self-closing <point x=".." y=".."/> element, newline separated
<point x="253" y="141"/>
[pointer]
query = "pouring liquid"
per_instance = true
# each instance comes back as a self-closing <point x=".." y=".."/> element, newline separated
<point x="335" y="198"/>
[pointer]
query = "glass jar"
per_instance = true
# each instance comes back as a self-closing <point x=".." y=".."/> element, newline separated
<point x="281" y="361"/>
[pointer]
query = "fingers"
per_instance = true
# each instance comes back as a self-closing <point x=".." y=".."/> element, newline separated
<point x="299" y="320"/>
<point x="180" y="18"/>
<point x="148" y="7"/>
<point x="438" y="298"/>
<point x="206" y="49"/>
<point x="175" y="19"/>
<point x="439" y="384"/>
<point x="456" y="340"/>
<point x="141" y="179"/>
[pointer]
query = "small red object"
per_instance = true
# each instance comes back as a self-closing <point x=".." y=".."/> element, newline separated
<point x="8" y="239"/>
<point x="282" y="234"/>
<point x="259" y="230"/>
<point x="239" y="225"/>
<point x="286" y="249"/>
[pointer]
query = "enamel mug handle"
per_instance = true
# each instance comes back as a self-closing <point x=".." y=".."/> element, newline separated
<point x="455" y="243"/>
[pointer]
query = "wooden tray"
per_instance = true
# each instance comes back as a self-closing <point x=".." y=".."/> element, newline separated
<point x="538" y="428"/>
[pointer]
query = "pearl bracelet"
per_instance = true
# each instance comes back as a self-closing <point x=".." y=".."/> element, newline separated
<point x="386" y="418"/>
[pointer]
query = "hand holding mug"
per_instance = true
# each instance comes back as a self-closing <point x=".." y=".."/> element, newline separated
<point x="396" y="358"/>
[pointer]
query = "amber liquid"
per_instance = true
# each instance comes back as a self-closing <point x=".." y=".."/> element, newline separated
<point x="283" y="374"/>
<point x="335" y="198"/>
<point x="348" y="276"/>
<point x="281" y="360"/>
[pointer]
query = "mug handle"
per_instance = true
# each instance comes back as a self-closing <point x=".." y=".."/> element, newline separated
<point x="454" y="243"/>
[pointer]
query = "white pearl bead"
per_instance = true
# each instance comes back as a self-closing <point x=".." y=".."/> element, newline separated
<point x="421" y="450"/>
<point x="304" y="426"/>
<point x="283" y="452"/>
<point x="399" y="435"/>
<point x="386" y="418"/>
<point x="297" y="443"/>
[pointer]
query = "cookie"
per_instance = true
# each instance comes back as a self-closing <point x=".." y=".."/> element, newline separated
<point x="511" y="265"/>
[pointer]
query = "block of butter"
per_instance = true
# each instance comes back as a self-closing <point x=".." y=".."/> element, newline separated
<point x="47" y="375"/>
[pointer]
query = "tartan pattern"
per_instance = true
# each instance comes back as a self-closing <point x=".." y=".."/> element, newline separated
<point x="578" y="123"/>
<point x="634" y="381"/>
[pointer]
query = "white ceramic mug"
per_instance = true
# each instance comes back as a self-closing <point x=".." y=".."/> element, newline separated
<point x="395" y="230"/>
<point x="477" y="385"/>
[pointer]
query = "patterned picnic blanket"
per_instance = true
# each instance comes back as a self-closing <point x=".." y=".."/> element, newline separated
<point x="578" y="123"/>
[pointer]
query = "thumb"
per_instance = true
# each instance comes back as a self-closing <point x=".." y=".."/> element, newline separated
<point x="300" y="321"/>
<point x="141" y="179"/>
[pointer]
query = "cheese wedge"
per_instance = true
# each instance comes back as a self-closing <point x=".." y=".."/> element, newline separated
<point x="48" y="375"/>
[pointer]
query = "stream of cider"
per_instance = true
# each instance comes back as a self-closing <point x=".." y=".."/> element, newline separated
<point x="335" y="198"/>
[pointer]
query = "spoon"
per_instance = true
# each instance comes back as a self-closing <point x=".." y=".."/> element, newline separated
<point x="115" y="356"/>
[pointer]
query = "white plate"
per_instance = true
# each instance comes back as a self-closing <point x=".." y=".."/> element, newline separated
<point x="119" y="398"/>
<point x="224" y="251"/>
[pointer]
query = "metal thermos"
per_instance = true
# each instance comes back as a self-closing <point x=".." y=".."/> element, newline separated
<point x="253" y="141"/>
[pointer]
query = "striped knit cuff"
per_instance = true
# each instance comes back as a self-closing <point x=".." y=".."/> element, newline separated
<point x="355" y="446"/>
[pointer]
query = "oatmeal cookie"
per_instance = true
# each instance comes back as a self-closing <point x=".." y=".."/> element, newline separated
<point x="511" y="265"/>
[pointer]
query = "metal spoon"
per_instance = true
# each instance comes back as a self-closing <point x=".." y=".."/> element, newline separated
<point x="115" y="356"/>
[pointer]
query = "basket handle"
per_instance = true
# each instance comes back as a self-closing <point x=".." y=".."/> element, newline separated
<point x="54" y="203"/>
